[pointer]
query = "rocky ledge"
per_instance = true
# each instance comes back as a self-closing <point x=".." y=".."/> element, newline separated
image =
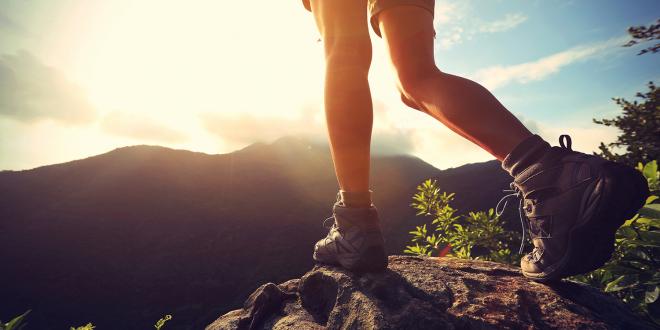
<point x="428" y="293"/>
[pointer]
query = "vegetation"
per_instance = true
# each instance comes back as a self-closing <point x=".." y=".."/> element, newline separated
<point x="640" y="121"/>
<point x="16" y="323"/>
<point x="162" y="321"/>
<point x="640" y="34"/>
<point x="477" y="235"/>
<point x="640" y="129"/>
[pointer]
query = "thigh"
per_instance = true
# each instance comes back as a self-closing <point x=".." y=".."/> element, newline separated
<point x="378" y="6"/>
<point x="341" y="20"/>
<point x="409" y="35"/>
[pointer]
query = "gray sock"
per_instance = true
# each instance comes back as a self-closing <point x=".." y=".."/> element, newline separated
<point x="356" y="198"/>
<point x="528" y="152"/>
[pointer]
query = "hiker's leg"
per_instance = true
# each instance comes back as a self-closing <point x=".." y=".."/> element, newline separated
<point x="572" y="203"/>
<point x="348" y="107"/>
<point x="355" y="240"/>
<point x="461" y="104"/>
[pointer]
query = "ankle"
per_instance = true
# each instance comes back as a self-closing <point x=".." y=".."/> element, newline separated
<point x="355" y="198"/>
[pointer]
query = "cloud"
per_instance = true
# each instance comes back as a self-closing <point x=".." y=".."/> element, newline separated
<point x="509" y="22"/>
<point x="448" y="22"/>
<point x="139" y="127"/>
<point x="452" y="37"/>
<point x="393" y="142"/>
<point x="498" y="76"/>
<point x="30" y="91"/>
<point x="532" y="125"/>
<point x="389" y="137"/>
<point x="456" y="22"/>
<point x="585" y="138"/>
<point x="447" y="12"/>
<point x="7" y="24"/>
<point x="246" y="128"/>
<point x="443" y="148"/>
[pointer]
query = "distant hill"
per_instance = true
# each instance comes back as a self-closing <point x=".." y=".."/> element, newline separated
<point x="122" y="238"/>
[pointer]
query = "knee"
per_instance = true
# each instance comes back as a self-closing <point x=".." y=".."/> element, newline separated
<point x="348" y="54"/>
<point x="413" y="80"/>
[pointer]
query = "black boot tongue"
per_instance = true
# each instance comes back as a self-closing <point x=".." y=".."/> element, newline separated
<point x="528" y="152"/>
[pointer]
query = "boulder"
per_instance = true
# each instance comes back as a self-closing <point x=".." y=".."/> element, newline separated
<point x="428" y="293"/>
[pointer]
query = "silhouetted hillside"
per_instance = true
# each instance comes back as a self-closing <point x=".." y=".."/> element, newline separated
<point x="122" y="238"/>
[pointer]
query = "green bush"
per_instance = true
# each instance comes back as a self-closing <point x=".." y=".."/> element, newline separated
<point x="477" y="235"/>
<point x="633" y="272"/>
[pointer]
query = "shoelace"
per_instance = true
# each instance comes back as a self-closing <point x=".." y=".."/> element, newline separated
<point x="514" y="192"/>
<point x="325" y="222"/>
<point x="332" y="217"/>
<point x="566" y="143"/>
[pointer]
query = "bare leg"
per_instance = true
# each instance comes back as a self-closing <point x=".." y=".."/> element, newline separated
<point x="463" y="105"/>
<point x="348" y="107"/>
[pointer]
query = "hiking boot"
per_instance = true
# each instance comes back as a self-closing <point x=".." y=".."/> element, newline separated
<point x="571" y="204"/>
<point x="355" y="240"/>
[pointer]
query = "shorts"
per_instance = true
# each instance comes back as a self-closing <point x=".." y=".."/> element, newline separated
<point x="377" y="6"/>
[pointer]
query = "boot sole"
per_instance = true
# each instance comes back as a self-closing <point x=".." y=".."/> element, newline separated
<point x="591" y="243"/>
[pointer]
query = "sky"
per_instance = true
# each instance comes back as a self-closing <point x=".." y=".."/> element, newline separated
<point x="82" y="77"/>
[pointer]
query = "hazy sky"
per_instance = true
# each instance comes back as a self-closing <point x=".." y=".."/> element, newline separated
<point x="79" y="78"/>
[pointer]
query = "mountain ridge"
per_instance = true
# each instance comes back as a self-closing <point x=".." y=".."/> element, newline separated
<point x="249" y="147"/>
<point x="147" y="230"/>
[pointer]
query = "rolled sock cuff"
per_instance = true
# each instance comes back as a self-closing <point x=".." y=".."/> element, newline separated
<point x="356" y="198"/>
<point x="528" y="152"/>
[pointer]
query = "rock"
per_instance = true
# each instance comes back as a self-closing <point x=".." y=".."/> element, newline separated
<point x="428" y="293"/>
<point x="261" y="304"/>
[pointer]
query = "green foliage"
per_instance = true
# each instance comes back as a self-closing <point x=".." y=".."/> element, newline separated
<point x="650" y="172"/>
<point x="16" y="323"/>
<point x="640" y="127"/>
<point x="162" y="321"/>
<point x="87" y="326"/>
<point x="477" y="235"/>
<point x="640" y="122"/>
<point x="632" y="273"/>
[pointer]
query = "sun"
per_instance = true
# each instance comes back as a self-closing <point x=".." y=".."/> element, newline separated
<point x="173" y="63"/>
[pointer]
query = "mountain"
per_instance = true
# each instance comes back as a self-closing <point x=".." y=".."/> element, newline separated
<point x="122" y="238"/>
